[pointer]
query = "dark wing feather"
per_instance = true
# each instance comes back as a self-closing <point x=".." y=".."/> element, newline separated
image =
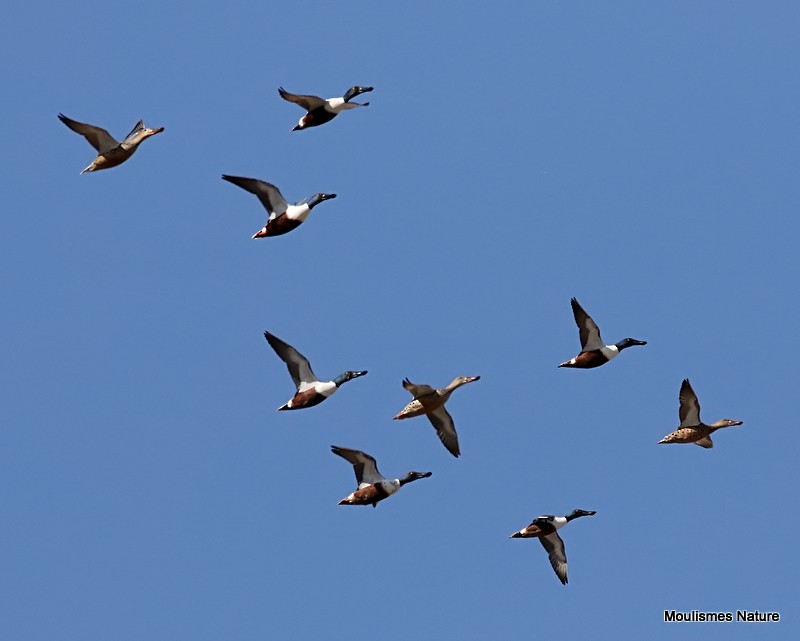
<point x="309" y="103"/>
<point x="557" y="555"/>
<point x="364" y="465"/>
<point x="97" y="137"/>
<point x="446" y="429"/>
<point x="587" y="329"/>
<point x="690" y="407"/>
<point x="417" y="390"/>
<point x="298" y="365"/>
<point x="269" y="195"/>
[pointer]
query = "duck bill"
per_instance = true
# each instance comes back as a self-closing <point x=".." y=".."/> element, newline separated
<point x="472" y="379"/>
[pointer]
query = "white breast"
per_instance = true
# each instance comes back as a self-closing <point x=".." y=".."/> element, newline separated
<point x="297" y="212"/>
<point x="391" y="486"/>
<point x="559" y="522"/>
<point x="335" y="104"/>
<point x="326" y="389"/>
<point x="609" y="351"/>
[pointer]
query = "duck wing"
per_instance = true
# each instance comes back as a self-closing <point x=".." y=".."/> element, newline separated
<point x="269" y="195"/>
<point x="689" y="412"/>
<point x="364" y="465"/>
<point x="705" y="442"/>
<point x="557" y="555"/>
<point x="309" y="103"/>
<point x="446" y="429"/>
<point x="417" y="390"/>
<point x="299" y="367"/>
<point x="98" y="138"/>
<point x="587" y="329"/>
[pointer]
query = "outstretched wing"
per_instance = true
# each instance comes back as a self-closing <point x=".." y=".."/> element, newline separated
<point x="587" y="328"/>
<point x="689" y="412"/>
<point x="446" y="429"/>
<point x="299" y="367"/>
<point x="98" y="138"/>
<point x="309" y="103"/>
<point x="417" y="390"/>
<point x="365" y="466"/>
<point x="269" y="195"/>
<point x="557" y="555"/>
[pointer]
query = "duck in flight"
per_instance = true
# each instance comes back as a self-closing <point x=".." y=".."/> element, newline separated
<point x="318" y="110"/>
<point x="310" y="390"/>
<point x="283" y="217"/>
<point x="545" y="528"/>
<point x="692" y="429"/>
<point x="430" y="401"/>
<point x="594" y="352"/>
<point x="110" y="152"/>
<point x="373" y="487"/>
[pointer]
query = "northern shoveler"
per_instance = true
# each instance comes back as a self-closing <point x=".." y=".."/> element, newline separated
<point x="320" y="111"/>
<point x="372" y="486"/>
<point x="594" y="352"/>
<point x="283" y="217"/>
<point x="110" y="152"/>
<point x="310" y="390"/>
<point x="430" y="401"/>
<point x="544" y="528"/>
<point x="692" y="429"/>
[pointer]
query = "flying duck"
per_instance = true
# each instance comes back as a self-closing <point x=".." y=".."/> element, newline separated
<point x="372" y="486"/>
<point x="692" y="429"/>
<point x="430" y="401"/>
<point x="320" y="111"/>
<point x="283" y="217"/>
<point x="310" y="390"/>
<point x="110" y="153"/>
<point x="544" y="528"/>
<point x="594" y="352"/>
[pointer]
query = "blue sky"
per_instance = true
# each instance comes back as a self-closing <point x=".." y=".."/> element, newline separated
<point x="641" y="158"/>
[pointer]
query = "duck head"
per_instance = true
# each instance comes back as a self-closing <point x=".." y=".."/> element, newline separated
<point x="347" y="376"/>
<point x="576" y="513"/>
<point x="462" y="380"/>
<point x="627" y="342"/>
<point x="726" y="422"/>
<point x="414" y="476"/>
<point x="140" y="132"/>
<point x="316" y="199"/>
<point x="355" y="91"/>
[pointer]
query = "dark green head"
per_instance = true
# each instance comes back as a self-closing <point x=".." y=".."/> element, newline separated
<point x="576" y="513"/>
<point x="414" y="476"/>
<point x="316" y="199"/>
<point x="347" y="376"/>
<point x="627" y="342"/>
<point x="355" y="91"/>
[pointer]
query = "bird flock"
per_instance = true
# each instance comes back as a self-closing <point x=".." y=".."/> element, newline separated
<point x="372" y="486"/>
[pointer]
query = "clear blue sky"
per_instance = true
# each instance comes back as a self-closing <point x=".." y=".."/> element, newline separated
<point x="640" y="156"/>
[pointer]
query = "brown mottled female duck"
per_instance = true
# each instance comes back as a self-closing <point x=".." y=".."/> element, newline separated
<point x="110" y="152"/>
<point x="544" y="528"/>
<point x="430" y="401"/>
<point x="594" y="352"/>
<point x="372" y="486"/>
<point x="692" y="429"/>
